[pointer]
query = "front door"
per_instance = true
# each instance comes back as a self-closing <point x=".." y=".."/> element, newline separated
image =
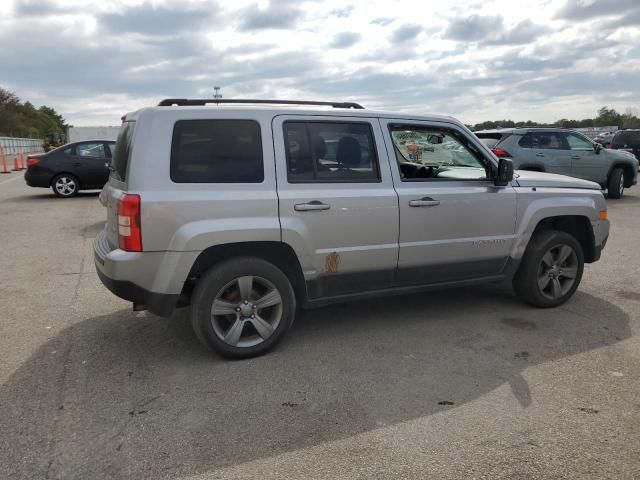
<point x="338" y="207"/>
<point x="585" y="162"/>
<point x="455" y="224"/>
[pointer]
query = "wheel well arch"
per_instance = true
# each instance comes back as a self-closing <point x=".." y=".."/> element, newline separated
<point x="577" y="226"/>
<point x="278" y="253"/>
<point x="628" y="172"/>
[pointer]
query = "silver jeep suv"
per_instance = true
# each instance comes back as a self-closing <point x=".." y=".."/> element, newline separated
<point x="248" y="209"/>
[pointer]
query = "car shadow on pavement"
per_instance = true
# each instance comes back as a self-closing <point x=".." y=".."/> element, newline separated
<point x="132" y="395"/>
<point x="47" y="195"/>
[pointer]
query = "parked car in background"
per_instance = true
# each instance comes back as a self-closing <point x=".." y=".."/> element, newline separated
<point x="245" y="213"/>
<point x="604" y="139"/>
<point x="71" y="167"/>
<point x="627" y="141"/>
<point x="567" y="152"/>
<point x="490" y="142"/>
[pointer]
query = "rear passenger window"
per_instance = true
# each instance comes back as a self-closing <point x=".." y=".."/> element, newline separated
<point x="544" y="140"/>
<point x="90" y="150"/>
<point x="330" y="152"/>
<point x="216" y="151"/>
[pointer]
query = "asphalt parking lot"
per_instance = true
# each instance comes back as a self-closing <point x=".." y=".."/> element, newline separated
<point x="456" y="384"/>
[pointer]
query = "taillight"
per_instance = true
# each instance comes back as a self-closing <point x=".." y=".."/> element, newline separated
<point x="32" y="161"/>
<point x="498" y="152"/>
<point x="129" y="234"/>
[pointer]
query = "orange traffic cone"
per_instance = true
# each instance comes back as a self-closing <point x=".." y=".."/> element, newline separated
<point x="4" y="161"/>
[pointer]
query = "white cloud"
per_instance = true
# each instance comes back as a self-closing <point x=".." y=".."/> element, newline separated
<point x="520" y="59"/>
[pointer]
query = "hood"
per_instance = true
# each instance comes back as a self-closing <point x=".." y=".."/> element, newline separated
<point x="526" y="178"/>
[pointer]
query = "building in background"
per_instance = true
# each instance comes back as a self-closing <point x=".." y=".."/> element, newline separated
<point x="78" y="134"/>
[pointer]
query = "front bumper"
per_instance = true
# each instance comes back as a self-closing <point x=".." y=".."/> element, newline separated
<point x="600" y="237"/>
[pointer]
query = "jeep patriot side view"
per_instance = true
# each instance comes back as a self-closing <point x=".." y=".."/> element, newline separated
<point x="246" y="212"/>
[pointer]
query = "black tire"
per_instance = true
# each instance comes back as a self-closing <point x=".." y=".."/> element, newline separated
<point x="71" y="182"/>
<point x="532" y="269"/>
<point x="209" y="328"/>
<point x="615" y="185"/>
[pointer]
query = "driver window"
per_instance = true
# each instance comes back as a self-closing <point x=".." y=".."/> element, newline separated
<point x="576" y="142"/>
<point x="435" y="154"/>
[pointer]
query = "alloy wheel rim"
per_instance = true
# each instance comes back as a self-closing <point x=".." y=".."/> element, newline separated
<point x="621" y="187"/>
<point x="557" y="271"/>
<point x="246" y="311"/>
<point x="65" y="186"/>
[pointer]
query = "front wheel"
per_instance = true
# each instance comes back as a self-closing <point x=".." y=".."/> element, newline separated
<point x="551" y="269"/>
<point x="615" y="186"/>
<point x="242" y="307"/>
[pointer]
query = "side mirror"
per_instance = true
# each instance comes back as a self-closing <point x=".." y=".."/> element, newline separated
<point x="597" y="147"/>
<point x="504" y="174"/>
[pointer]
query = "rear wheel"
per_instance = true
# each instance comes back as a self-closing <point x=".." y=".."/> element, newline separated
<point x="243" y="307"/>
<point x="551" y="269"/>
<point x="65" y="185"/>
<point x="615" y="186"/>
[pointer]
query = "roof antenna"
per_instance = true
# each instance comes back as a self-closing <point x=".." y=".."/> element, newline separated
<point x="216" y="94"/>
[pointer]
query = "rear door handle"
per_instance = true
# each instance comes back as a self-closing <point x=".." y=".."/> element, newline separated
<point x="575" y="157"/>
<point x="76" y="164"/>
<point x="424" y="202"/>
<point x="314" y="205"/>
<point x="539" y="154"/>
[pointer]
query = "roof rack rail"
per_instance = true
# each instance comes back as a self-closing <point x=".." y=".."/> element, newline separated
<point x="167" y="102"/>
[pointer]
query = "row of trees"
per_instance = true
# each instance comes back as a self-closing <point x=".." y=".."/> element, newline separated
<point x="607" y="117"/>
<point x="19" y="119"/>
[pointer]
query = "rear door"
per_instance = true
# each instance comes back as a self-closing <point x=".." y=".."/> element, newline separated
<point x="549" y="149"/>
<point x="338" y="207"/>
<point x="455" y="224"/>
<point x="89" y="163"/>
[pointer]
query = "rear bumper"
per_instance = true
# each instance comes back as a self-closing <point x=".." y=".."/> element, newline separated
<point x="154" y="279"/>
<point x="158" y="303"/>
<point x="42" y="180"/>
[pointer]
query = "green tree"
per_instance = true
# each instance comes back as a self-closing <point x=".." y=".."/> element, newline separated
<point x="24" y="120"/>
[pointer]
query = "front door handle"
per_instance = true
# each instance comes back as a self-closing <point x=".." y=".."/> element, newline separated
<point x="575" y="157"/>
<point x="424" y="202"/>
<point x="539" y="154"/>
<point x="76" y="164"/>
<point x="314" y="205"/>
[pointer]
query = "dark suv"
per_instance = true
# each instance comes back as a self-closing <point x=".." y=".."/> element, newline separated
<point x="627" y="140"/>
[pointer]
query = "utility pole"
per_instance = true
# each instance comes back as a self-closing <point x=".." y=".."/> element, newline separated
<point x="216" y="94"/>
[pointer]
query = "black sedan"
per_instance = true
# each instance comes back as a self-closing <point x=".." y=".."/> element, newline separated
<point x="71" y="167"/>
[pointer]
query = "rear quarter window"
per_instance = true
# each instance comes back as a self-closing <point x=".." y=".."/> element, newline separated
<point x="216" y="151"/>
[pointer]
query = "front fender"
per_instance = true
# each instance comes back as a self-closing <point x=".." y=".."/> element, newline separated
<point x="555" y="202"/>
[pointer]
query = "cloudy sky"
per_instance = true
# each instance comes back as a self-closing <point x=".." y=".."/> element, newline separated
<point x="476" y="60"/>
